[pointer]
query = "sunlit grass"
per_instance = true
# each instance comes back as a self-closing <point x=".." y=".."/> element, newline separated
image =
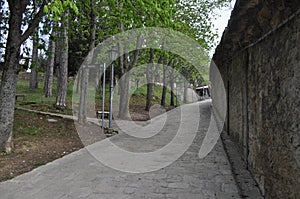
<point x="36" y="99"/>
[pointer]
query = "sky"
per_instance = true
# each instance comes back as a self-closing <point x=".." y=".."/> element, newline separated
<point x="221" y="21"/>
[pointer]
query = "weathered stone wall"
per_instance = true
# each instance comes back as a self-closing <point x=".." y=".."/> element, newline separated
<point x="264" y="110"/>
<point x="218" y="91"/>
<point x="235" y="104"/>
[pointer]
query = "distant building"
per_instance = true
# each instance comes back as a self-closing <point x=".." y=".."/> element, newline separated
<point x="203" y="92"/>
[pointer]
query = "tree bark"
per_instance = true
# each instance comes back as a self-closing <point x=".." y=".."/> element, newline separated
<point x="164" y="91"/>
<point x="78" y="82"/>
<point x="62" y="72"/>
<point x="50" y="68"/>
<point x="150" y="80"/>
<point x="7" y="102"/>
<point x="185" y="85"/>
<point x="9" y="75"/>
<point x="33" y="81"/>
<point x="124" y="96"/>
<point x="83" y="95"/>
<point x="172" y="102"/>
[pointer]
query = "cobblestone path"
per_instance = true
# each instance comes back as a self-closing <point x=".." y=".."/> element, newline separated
<point x="80" y="175"/>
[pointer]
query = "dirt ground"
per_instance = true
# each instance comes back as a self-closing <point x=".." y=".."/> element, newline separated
<point x="38" y="141"/>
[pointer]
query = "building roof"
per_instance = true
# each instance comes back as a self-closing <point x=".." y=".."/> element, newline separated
<point x="201" y="87"/>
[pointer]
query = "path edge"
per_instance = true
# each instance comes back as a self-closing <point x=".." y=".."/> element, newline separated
<point x="247" y="186"/>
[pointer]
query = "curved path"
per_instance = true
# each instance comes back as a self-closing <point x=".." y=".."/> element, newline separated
<point x="80" y="175"/>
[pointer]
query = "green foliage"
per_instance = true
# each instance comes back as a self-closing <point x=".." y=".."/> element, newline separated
<point x="57" y="7"/>
<point x="193" y="18"/>
<point x="38" y="164"/>
<point x="196" y="18"/>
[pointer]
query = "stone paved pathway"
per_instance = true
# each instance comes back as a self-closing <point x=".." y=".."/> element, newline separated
<point x="80" y="175"/>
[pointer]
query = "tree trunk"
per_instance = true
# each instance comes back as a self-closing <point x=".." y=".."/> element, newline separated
<point x="172" y="103"/>
<point x="185" y="85"/>
<point x="150" y="80"/>
<point x="47" y="73"/>
<point x="136" y="81"/>
<point x="164" y="90"/>
<point x="125" y="80"/>
<point x="62" y="72"/>
<point x="82" y="118"/>
<point x="124" y="96"/>
<point x="33" y="82"/>
<point x="78" y="83"/>
<point x="9" y="77"/>
<point x="165" y="84"/>
<point x="7" y="103"/>
<point x="50" y="68"/>
<point x="83" y="94"/>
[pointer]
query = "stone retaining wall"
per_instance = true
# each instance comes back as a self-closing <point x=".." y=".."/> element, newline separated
<point x="263" y="88"/>
<point x="264" y="85"/>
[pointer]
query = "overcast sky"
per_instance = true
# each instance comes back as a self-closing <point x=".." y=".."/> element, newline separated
<point x="220" y="23"/>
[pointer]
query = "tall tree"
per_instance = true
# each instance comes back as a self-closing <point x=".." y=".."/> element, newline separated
<point x="9" y="76"/>
<point x="150" y="80"/>
<point x="16" y="36"/>
<point x="85" y="70"/>
<point x="62" y="70"/>
<point x="48" y="86"/>
<point x="165" y="82"/>
<point x="125" y="66"/>
<point x="33" y="81"/>
<point x="172" y="81"/>
<point x="151" y="74"/>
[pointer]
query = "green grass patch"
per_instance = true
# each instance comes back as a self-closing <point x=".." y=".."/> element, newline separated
<point x="141" y="92"/>
<point x="38" y="164"/>
<point x="36" y="99"/>
<point x="29" y="130"/>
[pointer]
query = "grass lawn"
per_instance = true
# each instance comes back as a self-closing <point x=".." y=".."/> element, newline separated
<point x="37" y="101"/>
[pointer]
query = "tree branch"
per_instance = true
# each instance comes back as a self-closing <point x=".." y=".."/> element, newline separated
<point x="137" y="51"/>
<point x="34" y="23"/>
